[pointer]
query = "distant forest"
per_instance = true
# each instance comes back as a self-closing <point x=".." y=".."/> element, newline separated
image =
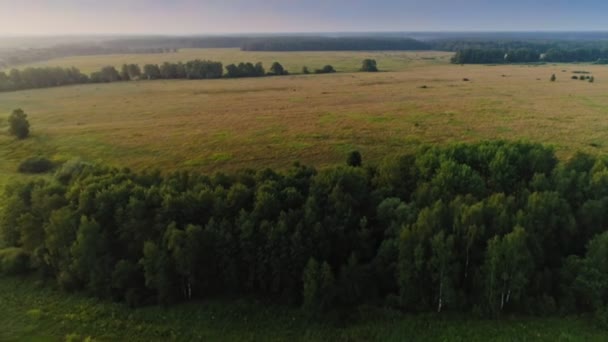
<point x="499" y="52"/>
<point x="478" y="49"/>
<point x="490" y="228"/>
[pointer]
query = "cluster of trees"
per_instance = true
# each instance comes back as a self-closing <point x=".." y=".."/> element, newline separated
<point x="491" y="227"/>
<point x="31" y="78"/>
<point x="333" y="44"/>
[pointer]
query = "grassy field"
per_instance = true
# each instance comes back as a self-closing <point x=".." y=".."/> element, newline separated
<point x="292" y="61"/>
<point x="34" y="313"/>
<point x="213" y="125"/>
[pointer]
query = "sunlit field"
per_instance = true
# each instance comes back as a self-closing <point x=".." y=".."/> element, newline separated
<point x="292" y="61"/>
<point x="213" y="125"/>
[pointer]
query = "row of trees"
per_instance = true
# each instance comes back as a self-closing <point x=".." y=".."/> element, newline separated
<point x="31" y="78"/>
<point x="491" y="227"/>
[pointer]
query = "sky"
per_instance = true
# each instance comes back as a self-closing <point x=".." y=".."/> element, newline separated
<point x="174" y="17"/>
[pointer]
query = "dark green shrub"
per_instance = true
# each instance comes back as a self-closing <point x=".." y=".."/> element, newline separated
<point x="369" y="65"/>
<point x="36" y="165"/>
<point x="354" y="159"/>
<point x="328" y="69"/>
<point x="19" y="126"/>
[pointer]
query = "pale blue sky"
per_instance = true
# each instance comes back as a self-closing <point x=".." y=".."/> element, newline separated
<point x="235" y="16"/>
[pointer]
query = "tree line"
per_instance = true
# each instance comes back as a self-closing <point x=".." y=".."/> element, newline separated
<point x="490" y="228"/>
<point x="527" y="55"/>
<point x="33" y="78"/>
<point x="333" y="44"/>
<point x="44" y="77"/>
<point x="13" y="57"/>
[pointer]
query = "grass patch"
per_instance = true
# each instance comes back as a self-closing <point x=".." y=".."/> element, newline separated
<point x="173" y="125"/>
<point x="37" y="313"/>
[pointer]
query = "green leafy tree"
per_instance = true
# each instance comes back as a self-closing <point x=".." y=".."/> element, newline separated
<point x="369" y="65"/>
<point x="151" y="72"/>
<point x="443" y="268"/>
<point x="507" y="269"/>
<point x="553" y="78"/>
<point x="18" y="124"/>
<point x="310" y="280"/>
<point x="277" y="69"/>
<point x="90" y="258"/>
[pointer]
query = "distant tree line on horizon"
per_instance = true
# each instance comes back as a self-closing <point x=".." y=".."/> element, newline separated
<point x="44" y="77"/>
<point x="500" y="56"/>
<point x="333" y="44"/>
<point x="492" y="228"/>
<point x="13" y="57"/>
<point x="584" y="50"/>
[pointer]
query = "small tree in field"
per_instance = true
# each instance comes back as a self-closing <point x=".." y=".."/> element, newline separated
<point x="369" y="65"/>
<point x="553" y="78"/>
<point x="277" y="69"/>
<point x="18" y="124"/>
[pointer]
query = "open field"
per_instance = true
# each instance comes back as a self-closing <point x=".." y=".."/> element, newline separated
<point x="34" y="313"/>
<point x="347" y="61"/>
<point x="213" y="125"/>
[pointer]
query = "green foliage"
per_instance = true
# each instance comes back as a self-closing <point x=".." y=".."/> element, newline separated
<point x="245" y="70"/>
<point x="431" y="231"/>
<point x="507" y="269"/>
<point x="18" y="125"/>
<point x="14" y="261"/>
<point x="553" y="78"/>
<point x="277" y="69"/>
<point x="369" y="65"/>
<point x="328" y="69"/>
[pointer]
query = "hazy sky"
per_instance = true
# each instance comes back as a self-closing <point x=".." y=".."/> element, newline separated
<point x="234" y="16"/>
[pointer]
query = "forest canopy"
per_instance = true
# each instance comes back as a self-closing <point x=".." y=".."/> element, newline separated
<point x="490" y="227"/>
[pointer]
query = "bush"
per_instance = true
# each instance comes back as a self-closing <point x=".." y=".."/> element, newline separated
<point x="328" y="69"/>
<point x="14" y="261"/>
<point x="369" y="65"/>
<point x="36" y="165"/>
<point x="19" y="126"/>
<point x="354" y="159"/>
<point x="305" y="70"/>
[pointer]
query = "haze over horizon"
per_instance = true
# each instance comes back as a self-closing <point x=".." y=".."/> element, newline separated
<point x="183" y="17"/>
